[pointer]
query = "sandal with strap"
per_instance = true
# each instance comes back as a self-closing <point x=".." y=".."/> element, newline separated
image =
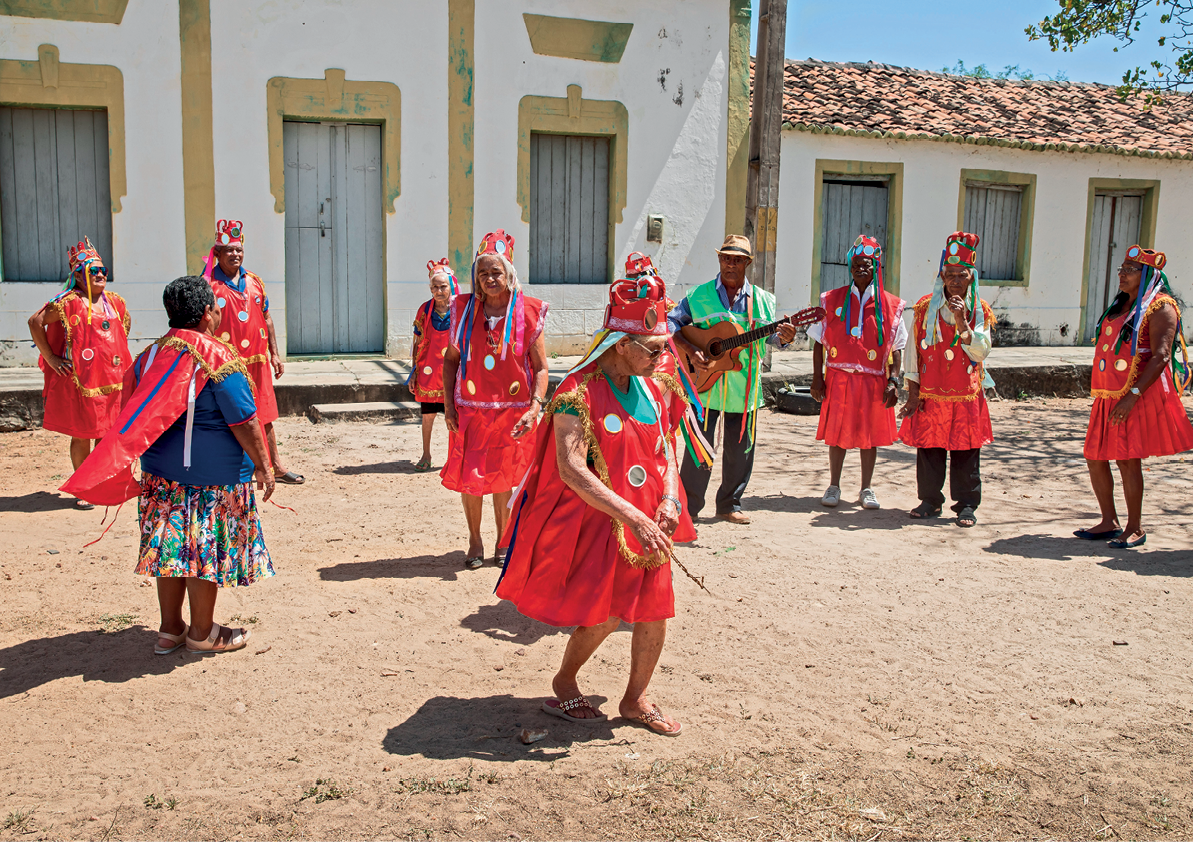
<point x="422" y="465"/>
<point x="289" y="478"/>
<point x="179" y="640"/>
<point x="966" y="517"/>
<point x="560" y="709"/>
<point x="923" y="511"/>
<point x="656" y="715"/>
<point x="238" y="640"/>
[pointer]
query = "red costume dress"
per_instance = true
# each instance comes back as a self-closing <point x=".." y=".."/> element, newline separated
<point x="953" y="413"/>
<point x="852" y="414"/>
<point x="1157" y="424"/>
<point x="243" y="326"/>
<point x="150" y="407"/>
<point x="491" y="394"/>
<point x="427" y="383"/>
<point x="567" y="565"/>
<point x="84" y="403"/>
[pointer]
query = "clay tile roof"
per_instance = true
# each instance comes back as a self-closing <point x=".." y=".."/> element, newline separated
<point x="879" y="100"/>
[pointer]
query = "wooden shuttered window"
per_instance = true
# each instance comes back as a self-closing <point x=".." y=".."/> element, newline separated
<point x="849" y="208"/>
<point x="569" y="209"/>
<point x="994" y="212"/>
<point x="54" y="189"/>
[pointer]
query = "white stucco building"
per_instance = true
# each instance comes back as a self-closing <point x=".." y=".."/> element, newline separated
<point x="1058" y="179"/>
<point x="356" y="141"/>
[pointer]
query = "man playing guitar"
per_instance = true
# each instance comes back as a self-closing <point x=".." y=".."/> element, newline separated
<point x="737" y="394"/>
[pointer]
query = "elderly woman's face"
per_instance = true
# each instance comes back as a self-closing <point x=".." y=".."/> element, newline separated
<point x="1130" y="274"/>
<point x="441" y="288"/>
<point x="490" y="274"/>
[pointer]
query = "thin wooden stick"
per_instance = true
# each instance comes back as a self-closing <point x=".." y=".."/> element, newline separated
<point x="688" y="573"/>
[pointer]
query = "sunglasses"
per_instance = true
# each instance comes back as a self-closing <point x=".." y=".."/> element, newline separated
<point x="653" y="354"/>
<point x="1128" y="270"/>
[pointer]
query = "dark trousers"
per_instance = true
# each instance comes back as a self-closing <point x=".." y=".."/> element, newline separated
<point x="965" y="476"/>
<point x="736" y="466"/>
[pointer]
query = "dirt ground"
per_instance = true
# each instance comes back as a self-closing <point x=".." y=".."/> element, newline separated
<point x="854" y="674"/>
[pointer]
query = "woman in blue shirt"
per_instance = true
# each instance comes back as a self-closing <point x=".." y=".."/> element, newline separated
<point x="200" y="530"/>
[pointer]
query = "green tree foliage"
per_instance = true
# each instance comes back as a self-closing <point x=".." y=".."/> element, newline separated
<point x="1080" y="21"/>
<point x="1011" y="71"/>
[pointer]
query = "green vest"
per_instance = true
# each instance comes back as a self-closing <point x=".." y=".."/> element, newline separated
<point x="707" y="310"/>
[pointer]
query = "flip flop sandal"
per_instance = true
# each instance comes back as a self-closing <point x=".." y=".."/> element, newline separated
<point x="1098" y="536"/>
<point x="656" y="715"/>
<point x="966" y="518"/>
<point x="923" y="511"/>
<point x="290" y="478"/>
<point x="238" y="640"/>
<point x="560" y="710"/>
<point x="179" y="640"/>
<point x="474" y="562"/>
<point x="83" y="505"/>
<point x="422" y="465"/>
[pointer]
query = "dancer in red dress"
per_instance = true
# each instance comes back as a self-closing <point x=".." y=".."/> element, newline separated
<point x="592" y="524"/>
<point x="946" y="413"/>
<point x="82" y="335"/>
<point x="248" y="327"/>
<point x="863" y="336"/>
<point x="494" y="387"/>
<point x="432" y="336"/>
<point x="1136" y="384"/>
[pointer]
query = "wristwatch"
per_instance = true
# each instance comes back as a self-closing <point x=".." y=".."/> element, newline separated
<point x="1135" y="391"/>
<point x="540" y="401"/>
<point x="675" y="500"/>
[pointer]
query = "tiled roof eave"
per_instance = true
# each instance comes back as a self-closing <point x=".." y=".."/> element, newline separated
<point x="978" y="140"/>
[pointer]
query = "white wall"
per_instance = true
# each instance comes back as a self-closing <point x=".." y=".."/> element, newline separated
<point x="1052" y="299"/>
<point x="148" y="239"/>
<point x="399" y="41"/>
<point x="676" y="150"/>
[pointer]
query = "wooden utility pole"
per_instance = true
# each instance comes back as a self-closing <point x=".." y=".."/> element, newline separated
<point x="766" y="126"/>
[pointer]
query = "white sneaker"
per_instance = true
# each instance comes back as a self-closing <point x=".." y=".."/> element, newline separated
<point x="868" y="500"/>
<point x="831" y="497"/>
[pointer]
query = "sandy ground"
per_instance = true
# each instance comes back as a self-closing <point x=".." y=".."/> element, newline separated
<point x="853" y="674"/>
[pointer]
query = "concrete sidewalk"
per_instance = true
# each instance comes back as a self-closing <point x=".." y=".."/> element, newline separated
<point x="1056" y="370"/>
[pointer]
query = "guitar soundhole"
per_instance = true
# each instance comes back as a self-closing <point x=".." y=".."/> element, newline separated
<point x="714" y="348"/>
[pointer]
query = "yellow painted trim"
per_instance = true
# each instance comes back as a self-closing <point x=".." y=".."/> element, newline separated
<point x="894" y="216"/>
<point x="1027" y="215"/>
<point x="198" y="126"/>
<point x="461" y="23"/>
<point x="574" y="115"/>
<point x="737" y="136"/>
<point x="1147" y="226"/>
<point x="88" y="11"/>
<point x="334" y="98"/>
<point x="587" y="40"/>
<point x="47" y="83"/>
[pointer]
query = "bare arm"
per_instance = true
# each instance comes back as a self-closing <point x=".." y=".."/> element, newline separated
<point x="817" y="371"/>
<point x="1162" y="333"/>
<point x="253" y="441"/>
<point x="571" y="455"/>
<point x="890" y="393"/>
<point x="47" y="315"/>
<point x="451" y="367"/>
<point x="667" y="514"/>
<point x="274" y="355"/>
<point x="538" y="387"/>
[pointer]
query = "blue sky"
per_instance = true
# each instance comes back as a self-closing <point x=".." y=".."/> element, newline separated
<point x="929" y="35"/>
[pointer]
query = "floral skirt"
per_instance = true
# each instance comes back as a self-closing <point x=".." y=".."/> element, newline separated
<point x="209" y="532"/>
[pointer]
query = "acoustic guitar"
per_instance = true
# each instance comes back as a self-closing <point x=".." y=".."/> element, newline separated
<point x="720" y="343"/>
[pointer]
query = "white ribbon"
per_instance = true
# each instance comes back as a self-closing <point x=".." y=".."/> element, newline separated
<point x="190" y="421"/>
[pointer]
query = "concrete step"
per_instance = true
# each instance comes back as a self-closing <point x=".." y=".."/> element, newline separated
<point x="321" y="413"/>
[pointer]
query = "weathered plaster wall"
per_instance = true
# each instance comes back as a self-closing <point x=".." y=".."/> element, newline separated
<point x="148" y="239"/>
<point x="399" y="41"/>
<point x="672" y="80"/>
<point x="1051" y="302"/>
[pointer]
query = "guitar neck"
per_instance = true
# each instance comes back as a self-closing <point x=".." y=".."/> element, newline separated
<point x="751" y="335"/>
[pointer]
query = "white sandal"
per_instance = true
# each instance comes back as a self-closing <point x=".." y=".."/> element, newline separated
<point x="179" y="640"/>
<point x="239" y="640"/>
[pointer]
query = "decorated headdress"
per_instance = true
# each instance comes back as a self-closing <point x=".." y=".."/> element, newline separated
<point x="501" y="244"/>
<point x="442" y="267"/>
<point x="639" y="264"/>
<point x="960" y="249"/>
<point x="638" y="306"/>
<point x="227" y="232"/>
<point x="1153" y="282"/>
<point x="84" y="258"/>
<point x="867" y="247"/>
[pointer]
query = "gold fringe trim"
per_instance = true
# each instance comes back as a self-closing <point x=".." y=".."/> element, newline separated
<point x="574" y="400"/>
<point x="256" y="358"/>
<point x="62" y="317"/>
<point x="216" y="374"/>
<point x="671" y="384"/>
<point x="949" y="398"/>
<point x="437" y="394"/>
<point x="1133" y="372"/>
